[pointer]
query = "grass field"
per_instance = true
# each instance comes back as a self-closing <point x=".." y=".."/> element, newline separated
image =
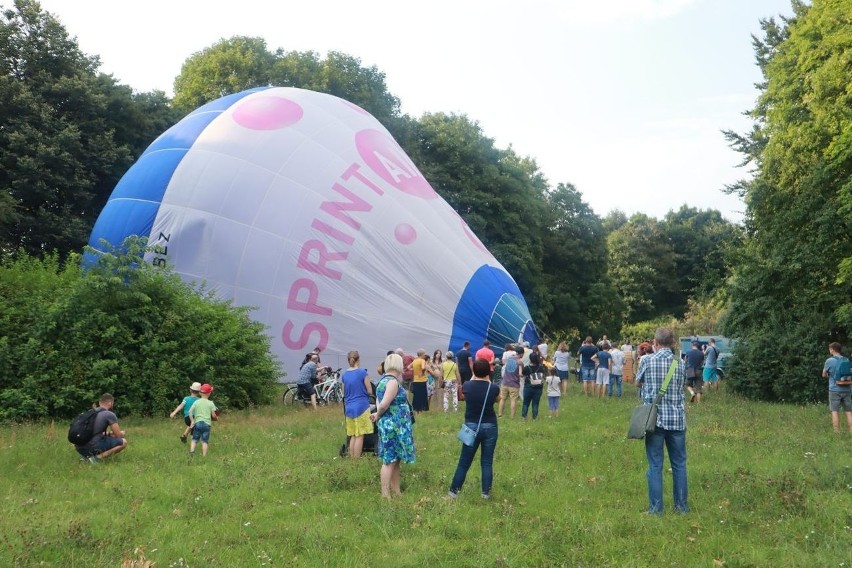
<point x="769" y="485"/>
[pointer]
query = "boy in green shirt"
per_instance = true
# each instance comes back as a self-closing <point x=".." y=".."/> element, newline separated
<point x="201" y="416"/>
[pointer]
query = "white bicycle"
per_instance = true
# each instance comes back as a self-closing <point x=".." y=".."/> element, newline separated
<point x="330" y="390"/>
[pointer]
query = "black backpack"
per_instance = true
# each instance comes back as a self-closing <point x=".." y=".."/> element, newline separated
<point x="83" y="428"/>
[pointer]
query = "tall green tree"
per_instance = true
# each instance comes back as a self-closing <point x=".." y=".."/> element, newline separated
<point x="67" y="133"/>
<point x="702" y="241"/>
<point x="228" y="66"/>
<point x="789" y="291"/>
<point x="239" y="63"/>
<point x="615" y="219"/>
<point x="575" y="267"/>
<point x="642" y="265"/>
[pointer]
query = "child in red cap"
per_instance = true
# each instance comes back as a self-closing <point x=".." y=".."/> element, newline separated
<point x="201" y="416"/>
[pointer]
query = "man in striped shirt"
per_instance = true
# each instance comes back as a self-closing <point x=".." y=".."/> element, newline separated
<point x="671" y="422"/>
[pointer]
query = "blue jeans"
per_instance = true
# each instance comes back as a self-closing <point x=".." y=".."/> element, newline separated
<point x="614" y="380"/>
<point x="531" y="395"/>
<point x="675" y="442"/>
<point x="487" y="438"/>
<point x="587" y="373"/>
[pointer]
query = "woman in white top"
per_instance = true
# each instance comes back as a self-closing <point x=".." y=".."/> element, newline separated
<point x="561" y="361"/>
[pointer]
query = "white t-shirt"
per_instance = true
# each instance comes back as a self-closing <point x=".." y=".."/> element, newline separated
<point x="542" y="348"/>
<point x="553" y="383"/>
<point x="560" y="360"/>
<point x="617" y="361"/>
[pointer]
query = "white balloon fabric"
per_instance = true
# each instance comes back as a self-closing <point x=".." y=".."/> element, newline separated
<point x="302" y="205"/>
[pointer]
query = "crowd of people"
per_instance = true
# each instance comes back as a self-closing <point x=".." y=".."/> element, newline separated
<point x="405" y="386"/>
<point x="521" y="374"/>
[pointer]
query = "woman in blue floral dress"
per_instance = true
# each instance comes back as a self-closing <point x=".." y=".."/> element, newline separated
<point x="393" y="415"/>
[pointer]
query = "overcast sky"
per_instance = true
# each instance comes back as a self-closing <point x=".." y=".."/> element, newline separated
<point x="625" y="99"/>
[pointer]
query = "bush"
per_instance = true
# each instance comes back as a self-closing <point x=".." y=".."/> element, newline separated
<point x="784" y="365"/>
<point x="644" y="330"/>
<point x="127" y="328"/>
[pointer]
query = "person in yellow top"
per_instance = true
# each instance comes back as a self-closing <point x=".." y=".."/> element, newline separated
<point x="420" y="400"/>
<point x="451" y="382"/>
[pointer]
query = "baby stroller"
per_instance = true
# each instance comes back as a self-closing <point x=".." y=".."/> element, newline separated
<point x="371" y="441"/>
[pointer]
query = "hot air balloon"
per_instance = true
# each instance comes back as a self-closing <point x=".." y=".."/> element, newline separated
<point x="301" y="205"/>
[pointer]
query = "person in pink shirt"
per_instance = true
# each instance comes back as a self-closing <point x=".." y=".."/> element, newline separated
<point x="485" y="352"/>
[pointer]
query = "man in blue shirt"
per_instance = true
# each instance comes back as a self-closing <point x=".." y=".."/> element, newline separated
<point x="838" y="395"/>
<point x="587" y="366"/>
<point x="671" y="422"/>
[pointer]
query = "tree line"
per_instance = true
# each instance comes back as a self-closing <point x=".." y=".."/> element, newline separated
<point x="791" y="287"/>
<point x="69" y="132"/>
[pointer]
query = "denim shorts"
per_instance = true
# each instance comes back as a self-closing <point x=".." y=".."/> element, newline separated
<point x="201" y="431"/>
<point x="104" y="444"/>
<point x="108" y="443"/>
<point x="588" y="373"/>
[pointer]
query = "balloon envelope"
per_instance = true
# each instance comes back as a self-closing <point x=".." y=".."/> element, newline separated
<point x="302" y="205"/>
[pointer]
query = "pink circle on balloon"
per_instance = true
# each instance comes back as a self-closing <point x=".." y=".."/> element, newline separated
<point x="405" y="234"/>
<point x="384" y="156"/>
<point x="265" y="112"/>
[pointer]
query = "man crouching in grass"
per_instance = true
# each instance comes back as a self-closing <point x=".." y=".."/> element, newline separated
<point x="109" y="438"/>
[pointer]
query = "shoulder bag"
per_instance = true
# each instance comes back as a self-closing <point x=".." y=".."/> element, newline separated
<point x="644" y="418"/>
<point x="466" y="434"/>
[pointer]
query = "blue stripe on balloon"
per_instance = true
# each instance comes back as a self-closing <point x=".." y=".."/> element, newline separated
<point x="135" y="201"/>
<point x="491" y="297"/>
